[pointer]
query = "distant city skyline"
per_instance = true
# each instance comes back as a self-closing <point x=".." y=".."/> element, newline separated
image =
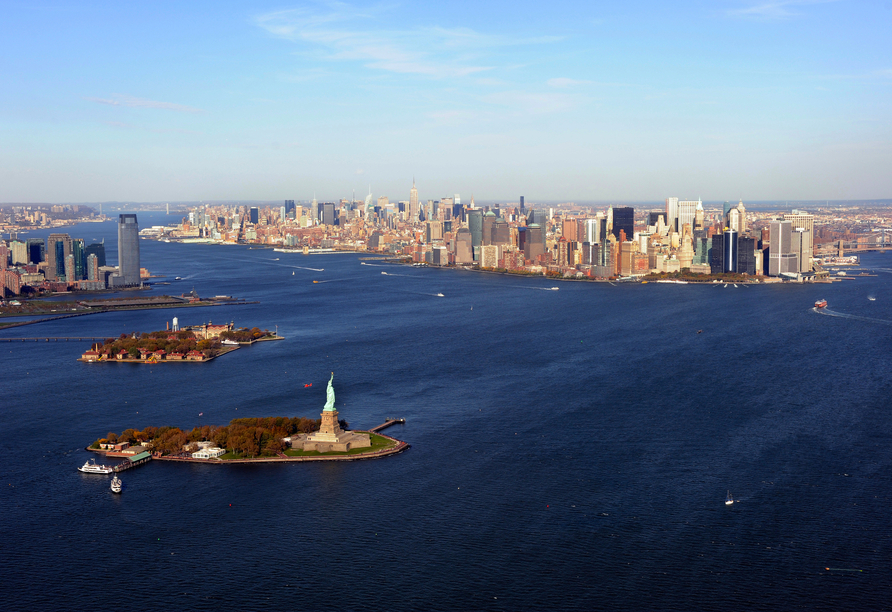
<point x="777" y="100"/>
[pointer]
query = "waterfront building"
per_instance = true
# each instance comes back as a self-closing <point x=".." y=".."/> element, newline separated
<point x="535" y="242"/>
<point x="128" y="252"/>
<point x="729" y="251"/>
<point x="781" y="258"/>
<point x="717" y="254"/>
<point x="746" y="255"/>
<point x="489" y="256"/>
<point x="58" y="247"/>
<point x="802" y="220"/>
<point x="80" y="258"/>
<point x="489" y="219"/>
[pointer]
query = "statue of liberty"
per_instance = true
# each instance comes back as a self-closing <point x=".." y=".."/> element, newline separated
<point x="330" y="396"/>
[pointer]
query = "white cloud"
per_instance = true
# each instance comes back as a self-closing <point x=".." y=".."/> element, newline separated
<point x="130" y="101"/>
<point x="779" y="9"/>
<point x="344" y="34"/>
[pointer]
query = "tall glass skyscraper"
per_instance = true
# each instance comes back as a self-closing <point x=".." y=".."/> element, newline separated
<point x="128" y="251"/>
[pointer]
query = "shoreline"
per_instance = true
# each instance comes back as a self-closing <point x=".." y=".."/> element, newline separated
<point x="398" y="447"/>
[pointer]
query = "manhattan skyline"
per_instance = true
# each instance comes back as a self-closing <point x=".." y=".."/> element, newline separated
<point x="758" y="100"/>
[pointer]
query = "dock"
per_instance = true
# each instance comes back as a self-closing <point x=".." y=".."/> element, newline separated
<point x="133" y="461"/>
<point x="387" y="423"/>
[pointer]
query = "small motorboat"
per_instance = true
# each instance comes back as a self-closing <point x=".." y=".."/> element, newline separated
<point x="116" y="484"/>
<point x="729" y="500"/>
<point x="821" y="304"/>
<point x="178" y="278"/>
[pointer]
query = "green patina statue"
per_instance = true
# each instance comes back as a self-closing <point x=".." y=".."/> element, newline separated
<point x="329" y="404"/>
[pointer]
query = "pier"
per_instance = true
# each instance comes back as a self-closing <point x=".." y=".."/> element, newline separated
<point x="133" y="461"/>
<point x="387" y="423"/>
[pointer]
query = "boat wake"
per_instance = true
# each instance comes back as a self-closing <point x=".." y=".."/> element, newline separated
<point x="311" y="269"/>
<point x="362" y="263"/>
<point x="842" y="315"/>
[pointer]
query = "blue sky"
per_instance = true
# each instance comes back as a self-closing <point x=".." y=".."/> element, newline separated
<point x="561" y="101"/>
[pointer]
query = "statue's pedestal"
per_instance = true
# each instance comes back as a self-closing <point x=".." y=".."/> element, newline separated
<point x="331" y="437"/>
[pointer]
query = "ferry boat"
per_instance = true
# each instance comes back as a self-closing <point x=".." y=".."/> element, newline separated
<point x="90" y="467"/>
<point x="820" y="303"/>
<point x="116" y="485"/>
<point x="229" y="342"/>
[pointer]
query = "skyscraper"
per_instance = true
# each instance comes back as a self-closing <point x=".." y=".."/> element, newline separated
<point x="475" y="224"/>
<point x="672" y="214"/>
<point x="623" y="220"/>
<point x="255" y="215"/>
<point x="522" y="209"/>
<point x="128" y="252"/>
<point x="413" y="203"/>
<point x="97" y="249"/>
<point x="58" y="247"/>
<point x="806" y="222"/>
<point x="781" y="257"/>
<point x="687" y="210"/>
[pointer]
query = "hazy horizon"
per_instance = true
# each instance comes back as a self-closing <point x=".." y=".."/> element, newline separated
<point x="761" y="100"/>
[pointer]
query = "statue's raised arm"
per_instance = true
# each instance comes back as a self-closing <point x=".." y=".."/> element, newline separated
<point x="330" y="397"/>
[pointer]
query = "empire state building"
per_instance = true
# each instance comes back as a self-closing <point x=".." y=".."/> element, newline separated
<point x="413" y="203"/>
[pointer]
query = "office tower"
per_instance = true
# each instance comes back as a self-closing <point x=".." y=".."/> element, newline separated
<point x="781" y="258"/>
<point x="327" y="215"/>
<point x="623" y="220"/>
<point x="128" y="252"/>
<point x="92" y="267"/>
<point x="802" y="220"/>
<point x="687" y="212"/>
<point x="592" y="231"/>
<point x="456" y="199"/>
<point x="489" y="220"/>
<point x="726" y="207"/>
<point x="746" y="255"/>
<point x="433" y="231"/>
<point x="568" y="229"/>
<point x="80" y="259"/>
<point x="70" y="274"/>
<point x="535" y="243"/>
<point x="36" y="250"/>
<point x="383" y="201"/>
<point x="18" y="252"/>
<point x="97" y="249"/>
<point x="501" y="232"/>
<point x="672" y="214"/>
<point x="413" y="203"/>
<point x="475" y="224"/>
<point x="289" y="206"/>
<point x="653" y="218"/>
<point x="58" y="247"/>
<point x="464" y="251"/>
<point x="254" y="215"/>
<point x="729" y="251"/>
<point x="742" y="209"/>
<point x="522" y="209"/>
<point x="717" y="254"/>
<point x="698" y="217"/>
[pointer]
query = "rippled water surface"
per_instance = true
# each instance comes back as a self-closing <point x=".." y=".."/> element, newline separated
<point x="571" y="449"/>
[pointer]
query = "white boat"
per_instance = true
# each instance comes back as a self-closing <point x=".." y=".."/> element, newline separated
<point x="729" y="500"/>
<point x="440" y="295"/>
<point x="90" y="467"/>
<point x="116" y="485"/>
<point x="229" y="342"/>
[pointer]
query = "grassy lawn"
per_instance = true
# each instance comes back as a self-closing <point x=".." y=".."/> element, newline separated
<point x="378" y="443"/>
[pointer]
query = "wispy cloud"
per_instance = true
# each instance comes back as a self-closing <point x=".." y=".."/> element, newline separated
<point x="776" y="10"/>
<point x="343" y="33"/>
<point x="130" y="101"/>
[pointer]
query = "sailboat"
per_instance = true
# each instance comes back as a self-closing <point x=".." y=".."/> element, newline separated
<point x="729" y="500"/>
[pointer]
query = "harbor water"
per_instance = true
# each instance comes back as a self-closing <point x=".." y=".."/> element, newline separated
<point x="571" y="449"/>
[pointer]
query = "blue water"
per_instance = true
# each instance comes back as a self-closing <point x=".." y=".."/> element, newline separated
<point x="571" y="449"/>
